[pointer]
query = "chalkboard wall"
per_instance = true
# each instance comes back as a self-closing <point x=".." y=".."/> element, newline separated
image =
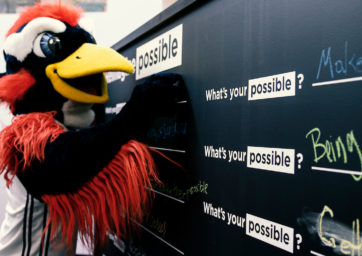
<point x="270" y="137"/>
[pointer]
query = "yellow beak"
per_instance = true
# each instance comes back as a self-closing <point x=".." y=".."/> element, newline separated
<point x="89" y="59"/>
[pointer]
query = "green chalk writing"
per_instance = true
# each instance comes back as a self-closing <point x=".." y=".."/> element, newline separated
<point x="335" y="150"/>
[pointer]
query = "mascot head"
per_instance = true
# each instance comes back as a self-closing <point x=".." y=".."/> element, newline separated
<point x="52" y="59"/>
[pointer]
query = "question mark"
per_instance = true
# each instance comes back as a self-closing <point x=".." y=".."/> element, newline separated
<point x="300" y="159"/>
<point x="300" y="80"/>
<point x="299" y="240"/>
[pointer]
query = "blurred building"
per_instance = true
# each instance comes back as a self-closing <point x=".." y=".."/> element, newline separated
<point x="15" y="6"/>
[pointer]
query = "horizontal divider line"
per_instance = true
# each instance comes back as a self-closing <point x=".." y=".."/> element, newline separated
<point x="324" y="169"/>
<point x="316" y="253"/>
<point x="165" y="195"/>
<point x="169" y="149"/>
<point x="339" y="81"/>
<point x="160" y="238"/>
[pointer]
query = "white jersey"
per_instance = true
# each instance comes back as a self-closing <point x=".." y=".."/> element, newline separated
<point x="24" y="218"/>
<point x="22" y="228"/>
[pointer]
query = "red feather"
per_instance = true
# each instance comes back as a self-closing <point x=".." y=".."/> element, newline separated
<point x="115" y="200"/>
<point x="14" y="86"/>
<point x="27" y="135"/>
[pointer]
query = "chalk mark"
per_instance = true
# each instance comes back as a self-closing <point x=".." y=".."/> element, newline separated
<point x="165" y="195"/>
<point x="339" y="81"/>
<point x="160" y="238"/>
<point x="316" y="253"/>
<point x="169" y="149"/>
<point x="324" y="169"/>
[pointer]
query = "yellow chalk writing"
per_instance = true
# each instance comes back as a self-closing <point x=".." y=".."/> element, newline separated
<point x="345" y="246"/>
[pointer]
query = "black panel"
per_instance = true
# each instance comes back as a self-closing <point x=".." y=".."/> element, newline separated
<point x="227" y="43"/>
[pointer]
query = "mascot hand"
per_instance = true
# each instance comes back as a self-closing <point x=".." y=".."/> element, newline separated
<point x="157" y="96"/>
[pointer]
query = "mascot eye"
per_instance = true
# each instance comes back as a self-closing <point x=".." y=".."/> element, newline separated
<point x="47" y="45"/>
